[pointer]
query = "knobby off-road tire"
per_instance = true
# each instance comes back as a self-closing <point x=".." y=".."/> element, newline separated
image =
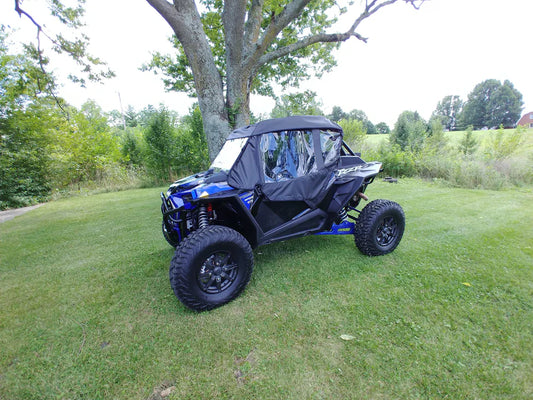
<point x="211" y="267"/>
<point x="379" y="227"/>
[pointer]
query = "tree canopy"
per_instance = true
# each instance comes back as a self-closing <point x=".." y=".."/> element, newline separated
<point x="49" y="147"/>
<point x="71" y="41"/>
<point x="409" y="131"/>
<point x="226" y="50"/>
<point x="491" y="104"/>
<point x="304" y="103"/>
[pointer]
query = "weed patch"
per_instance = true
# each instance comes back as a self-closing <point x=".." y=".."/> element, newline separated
<point x="491" y="160"/>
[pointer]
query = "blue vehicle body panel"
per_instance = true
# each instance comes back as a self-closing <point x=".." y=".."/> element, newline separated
<point x="344" y="228"/>
<point x="194" y="187"/>
<point x="247" y="198"/>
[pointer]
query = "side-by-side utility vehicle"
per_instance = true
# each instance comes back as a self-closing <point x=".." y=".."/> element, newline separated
<point x="274" y="180"/>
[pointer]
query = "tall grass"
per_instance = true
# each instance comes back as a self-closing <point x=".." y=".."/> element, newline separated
<point x="498" y="159"/>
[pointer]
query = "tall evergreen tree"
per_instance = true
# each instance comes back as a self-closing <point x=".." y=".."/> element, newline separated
<point x="447" y="112"/>
<point x="409" y="131"/>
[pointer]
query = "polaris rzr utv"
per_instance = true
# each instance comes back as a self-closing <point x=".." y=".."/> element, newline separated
<point x="274" y="180"/>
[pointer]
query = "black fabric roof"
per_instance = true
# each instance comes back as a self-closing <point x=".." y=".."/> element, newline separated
<point x="285" y="124"/>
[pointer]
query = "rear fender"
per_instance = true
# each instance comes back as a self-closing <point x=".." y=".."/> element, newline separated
<point x="349" y="181"/>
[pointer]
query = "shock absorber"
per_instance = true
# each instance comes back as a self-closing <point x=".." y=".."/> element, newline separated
<point x="341" y="216"/>
<point x="203" y="220"/>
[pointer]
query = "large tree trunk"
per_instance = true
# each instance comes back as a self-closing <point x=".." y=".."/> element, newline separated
<point x="216" y="127"/>
<point x="237" y="90"/>
<point x="184" y="19"/>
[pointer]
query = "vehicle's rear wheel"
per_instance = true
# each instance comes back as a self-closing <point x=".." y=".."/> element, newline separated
<point x="211" y="267"/>
<point x="379" y="227"/>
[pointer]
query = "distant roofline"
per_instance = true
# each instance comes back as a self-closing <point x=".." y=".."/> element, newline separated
<point x="525" y="117"/>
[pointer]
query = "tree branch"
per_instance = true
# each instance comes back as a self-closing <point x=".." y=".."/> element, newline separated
<point x="370" y="8"/>
<point x="308" y="41"/>
<point x="21" y="12"/>
<point x="253" y="24"/>
<point x="77" y="49"/>
<point x="278" y="23"/>
<point x="165" y="9"/>
<point x="40" y="30"/>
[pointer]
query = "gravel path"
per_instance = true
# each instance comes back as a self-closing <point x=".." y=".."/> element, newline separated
<point x="10" y="214"/>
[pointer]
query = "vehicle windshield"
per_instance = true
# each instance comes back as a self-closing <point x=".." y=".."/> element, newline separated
<point x="228" y="154"/>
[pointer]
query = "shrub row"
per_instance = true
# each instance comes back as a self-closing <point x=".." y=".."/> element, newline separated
<point x="491" y="162"/>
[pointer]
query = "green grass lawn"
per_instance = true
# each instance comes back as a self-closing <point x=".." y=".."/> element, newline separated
<point x="86" y="310"/>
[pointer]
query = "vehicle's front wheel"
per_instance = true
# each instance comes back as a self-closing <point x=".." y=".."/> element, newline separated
<point x="379" y="227"/>
<point x="211" y="267"/>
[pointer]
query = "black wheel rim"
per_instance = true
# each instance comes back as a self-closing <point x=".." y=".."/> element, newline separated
<point x="387" y="231"/>
<point x="217" y="273"/>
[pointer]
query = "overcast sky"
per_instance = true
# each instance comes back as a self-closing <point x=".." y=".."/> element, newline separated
<point x="411" y="61"/>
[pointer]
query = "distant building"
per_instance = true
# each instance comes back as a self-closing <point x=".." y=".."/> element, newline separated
<point x="526" y="120"/>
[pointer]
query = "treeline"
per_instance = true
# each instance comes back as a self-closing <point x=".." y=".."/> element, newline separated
<point x="44" y="152"/>
<point x="490" y="104"/>
<point x="308" y="103"/>
<point x="160" y="144"/>
<point x="49" y="148"/>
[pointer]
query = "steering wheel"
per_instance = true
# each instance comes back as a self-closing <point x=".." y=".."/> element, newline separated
<point x="283" y="174"/>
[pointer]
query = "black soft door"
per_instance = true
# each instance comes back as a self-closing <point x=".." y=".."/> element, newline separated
<point x="310" y="189"/>
<point x="290" y="207"/>
<point x="294" y="180"/>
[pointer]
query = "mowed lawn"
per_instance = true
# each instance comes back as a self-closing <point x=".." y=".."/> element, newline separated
<point x="86" y="310"/>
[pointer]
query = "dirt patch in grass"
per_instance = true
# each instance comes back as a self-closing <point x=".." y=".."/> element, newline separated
<point x="10" y="214"/>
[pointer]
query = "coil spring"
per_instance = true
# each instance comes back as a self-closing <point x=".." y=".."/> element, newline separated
<point x="202" y="217"/>
<point x="342" y="216"/>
